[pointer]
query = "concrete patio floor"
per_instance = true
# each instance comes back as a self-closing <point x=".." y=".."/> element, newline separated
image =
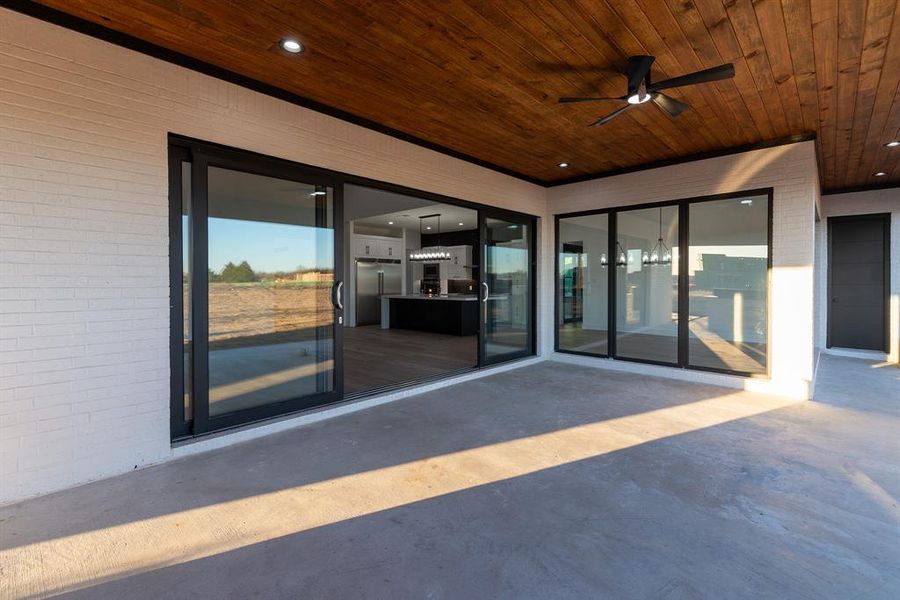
<point x="551" y="481"/>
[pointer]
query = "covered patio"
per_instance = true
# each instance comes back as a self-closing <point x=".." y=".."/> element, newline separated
<point x="548" y="481"/>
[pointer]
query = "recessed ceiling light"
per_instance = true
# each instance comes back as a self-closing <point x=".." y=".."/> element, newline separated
<point x="880" y="174"/>
<point x="427" y="227"/>
<point x="460" y="224"/>
<point x="292" y="46"/>
<point x="317" y="194"/>
<point x="893" y="144"/>
<point x="563" y="165"/>
<point x="390" y="222"/>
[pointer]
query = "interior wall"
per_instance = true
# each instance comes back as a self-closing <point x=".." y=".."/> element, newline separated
<point x="860" y="203"/>
<point x="792" y="172"/>
<point x="84" y="315"/>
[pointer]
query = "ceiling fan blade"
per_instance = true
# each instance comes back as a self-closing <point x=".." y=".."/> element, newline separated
<point x="638" y="67"/>
<point x="714" y="74"/>
<point x="611" y="116"/>
<point x="594" y="99"/>
<point x="670" y="105"/>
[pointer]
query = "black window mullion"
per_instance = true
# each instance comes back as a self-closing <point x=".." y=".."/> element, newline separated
<point x="683" y="287"/>
<point x="200" y="292"/>
<point x="612" y="271"/>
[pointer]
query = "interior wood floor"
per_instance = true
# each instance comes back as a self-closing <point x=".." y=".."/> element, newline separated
<point x="375" y="357"/>
<point x="708" y="351"/>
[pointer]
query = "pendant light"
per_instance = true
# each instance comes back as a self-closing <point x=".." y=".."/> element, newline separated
<point x="432" y="255"/>
<point x="660" y="254"/>
<point x="621" y="258"/>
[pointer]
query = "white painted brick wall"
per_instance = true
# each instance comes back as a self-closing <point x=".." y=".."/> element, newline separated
<point x="860" y="203"/>
<point x="791" y="170"/>
<point x="84" y="380"/>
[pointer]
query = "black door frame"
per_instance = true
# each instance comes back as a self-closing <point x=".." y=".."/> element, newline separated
<point x="183" y="148"/>
<point x="202" y="156"/>
<point x="484" y="213"/>
<point x="886" y="276"/>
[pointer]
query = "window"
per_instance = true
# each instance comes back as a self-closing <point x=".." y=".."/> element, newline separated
<point x="690" y="281"/>
<point x="253" y="270"/>
<point x="728" y="259"/>
<point x="583" y="287"/>
<point x="647" y="284"/>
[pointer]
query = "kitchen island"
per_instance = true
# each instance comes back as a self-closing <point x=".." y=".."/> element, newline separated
<point x="449" y="314"/>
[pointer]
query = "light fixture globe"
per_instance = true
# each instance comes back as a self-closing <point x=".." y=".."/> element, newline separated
<point x="638" y="98"/>
<point x="291" y="45"/>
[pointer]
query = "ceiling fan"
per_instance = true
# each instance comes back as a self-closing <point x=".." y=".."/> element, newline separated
<point x="641" y="88"/>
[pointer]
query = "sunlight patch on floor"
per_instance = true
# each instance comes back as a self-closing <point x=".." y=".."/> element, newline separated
<point x="91" y="557"/>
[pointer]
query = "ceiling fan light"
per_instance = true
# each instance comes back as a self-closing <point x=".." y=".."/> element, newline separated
<point x="638" y="98"/>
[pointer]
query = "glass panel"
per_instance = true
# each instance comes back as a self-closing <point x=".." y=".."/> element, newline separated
<point x="508" y="307"/>
<point x="583" y="283"/>
<point x="728" y="262"/>
<point x="647" y="284"/>
<point x="271" y="268"/>
<point x="186" y="245"/>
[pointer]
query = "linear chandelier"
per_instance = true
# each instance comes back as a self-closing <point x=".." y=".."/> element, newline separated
<point x="431" y="255"/>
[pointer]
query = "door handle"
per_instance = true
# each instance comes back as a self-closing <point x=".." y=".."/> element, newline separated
<point x="487" y="291"/>
<point x="338" y="289"/>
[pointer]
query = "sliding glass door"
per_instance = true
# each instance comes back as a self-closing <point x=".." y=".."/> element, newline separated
<point x="647" y="285"/>
<point x="507" y="279"/>
<point x="259" y="286"/>
<point x="682" y="283"/>
<point x="257" y="264"/>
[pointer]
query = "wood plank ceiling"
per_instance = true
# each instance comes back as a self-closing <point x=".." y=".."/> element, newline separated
<point x="482" y="77"/>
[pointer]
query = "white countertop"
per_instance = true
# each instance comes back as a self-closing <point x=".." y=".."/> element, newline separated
<point x="454" y="298"/>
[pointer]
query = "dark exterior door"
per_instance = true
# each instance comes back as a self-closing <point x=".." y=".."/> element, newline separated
<point x="858" y="272"/>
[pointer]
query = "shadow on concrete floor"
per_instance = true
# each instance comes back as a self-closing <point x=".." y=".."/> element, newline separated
<point x="551" y="481"/>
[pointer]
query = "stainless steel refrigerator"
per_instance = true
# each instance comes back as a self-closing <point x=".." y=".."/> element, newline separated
<point x="375" y="277"/>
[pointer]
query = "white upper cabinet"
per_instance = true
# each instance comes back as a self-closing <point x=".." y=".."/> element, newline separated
<point x="371" y="246"/>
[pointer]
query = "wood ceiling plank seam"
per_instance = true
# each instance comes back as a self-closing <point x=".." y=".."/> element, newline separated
<point x="509" y="32"/>
<point x="722" y="33"/>
<point x="538" y="41"/>
<point x="876" y="33"/>
<point x="665" y="65"/>
<point x="798" y="23"/>
<point x="663" y="130"/>
<point x="540" y="99"/>
<point x="851" y="22"/>
<point x="825" y="32"/>
<point x="595" y="33"/>
<point x="701" y="96"/>
<point x="770" y="18"/>
<point x="694" y="28"/>
<point x="746" y="30"/>
<point x="872" y="150"/>
<point x="436" y="69"/>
